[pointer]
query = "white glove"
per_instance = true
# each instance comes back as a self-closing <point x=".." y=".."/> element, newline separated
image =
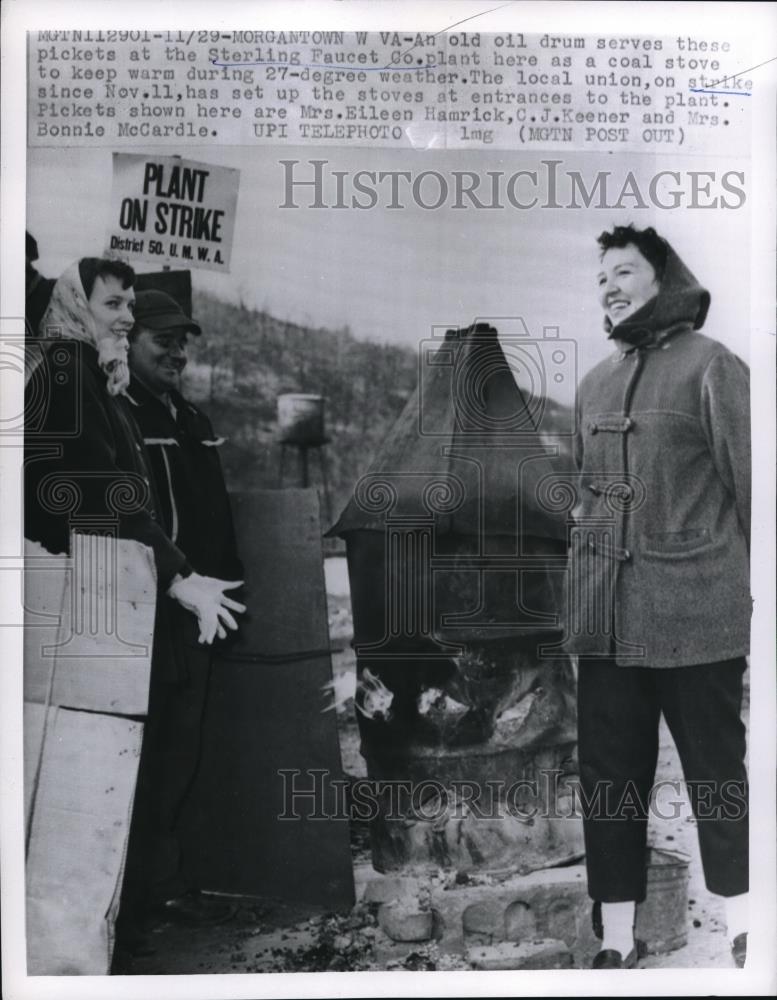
<point x="204" y="597"/>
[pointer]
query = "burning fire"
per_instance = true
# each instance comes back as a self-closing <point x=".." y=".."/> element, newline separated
<point x="370" y="696"/>
<point x="373" y="698"/>
<point x="342" y="688"/>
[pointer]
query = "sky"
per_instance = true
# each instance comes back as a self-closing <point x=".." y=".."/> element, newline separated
<point x="394" y="275"/>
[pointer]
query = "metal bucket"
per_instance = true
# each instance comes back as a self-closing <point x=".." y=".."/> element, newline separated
<point x="662" y="919"/>
<point x="301" y="419"/>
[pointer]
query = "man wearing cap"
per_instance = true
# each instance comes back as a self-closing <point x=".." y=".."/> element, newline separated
<point x="182" y="446"/>
<point x="196" y="515"/>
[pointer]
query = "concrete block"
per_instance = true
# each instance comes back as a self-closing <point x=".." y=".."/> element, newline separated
<point x="542" y="953"/>
<point x="549" y="904"/>
<point x="390" y="889"/>
<point x="485" y="920"/>
<point x="405" y="923"/>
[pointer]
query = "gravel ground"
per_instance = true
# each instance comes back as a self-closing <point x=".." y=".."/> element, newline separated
<point x="707" y="946"/>
<point x="266" y="935"/>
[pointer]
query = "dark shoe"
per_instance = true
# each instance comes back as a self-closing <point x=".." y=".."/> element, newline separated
<point x="195" y="908"/>
<point x="133" y="936"/>
<point x="609" y="958"/>
<point x="739" y="950"/>
<point x="598" y="929"/>
<point x="121" y="962"/>
<point x="134" y="943"/>
<point x="141" y="947"/>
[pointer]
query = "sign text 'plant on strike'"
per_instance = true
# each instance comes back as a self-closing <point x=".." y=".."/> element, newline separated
<point x="165" y="208"/>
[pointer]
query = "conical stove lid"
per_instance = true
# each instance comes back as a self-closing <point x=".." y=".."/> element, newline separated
<point x="466" y="452"/>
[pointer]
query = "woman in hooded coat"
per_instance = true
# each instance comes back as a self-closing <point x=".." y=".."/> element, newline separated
<point x="658" y="601"/>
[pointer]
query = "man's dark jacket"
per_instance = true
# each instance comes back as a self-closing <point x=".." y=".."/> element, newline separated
<point x="184" y="458"/>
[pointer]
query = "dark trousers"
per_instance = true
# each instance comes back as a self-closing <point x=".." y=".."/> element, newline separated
<point x="619" y="710"/>
<point x="169" y="760"/>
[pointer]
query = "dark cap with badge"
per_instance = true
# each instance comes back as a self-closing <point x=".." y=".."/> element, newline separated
<point x="156" y="310"/>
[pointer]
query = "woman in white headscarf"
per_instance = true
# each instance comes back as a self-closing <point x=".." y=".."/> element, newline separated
<point x="86" y="471"/>
<point x="92" y="302"/>
<point x="85" y="464"/>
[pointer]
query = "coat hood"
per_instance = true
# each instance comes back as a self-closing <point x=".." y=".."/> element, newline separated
<point x="681" y="302"/>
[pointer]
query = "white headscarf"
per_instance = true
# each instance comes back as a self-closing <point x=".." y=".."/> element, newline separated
<point x="68" y="315"/>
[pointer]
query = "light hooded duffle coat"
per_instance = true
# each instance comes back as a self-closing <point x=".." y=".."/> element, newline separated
<point x="659" y="562"/>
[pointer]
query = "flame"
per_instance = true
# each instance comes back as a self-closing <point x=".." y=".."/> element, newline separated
<point x="342" y="688"/>
<point x="373" y="698"/>
<point x="433" y="698"/>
